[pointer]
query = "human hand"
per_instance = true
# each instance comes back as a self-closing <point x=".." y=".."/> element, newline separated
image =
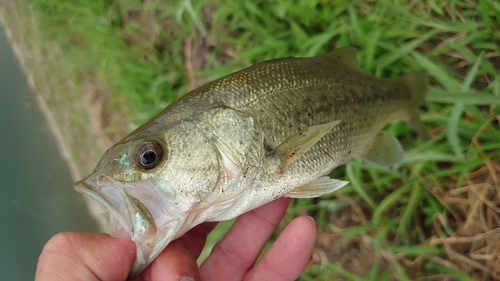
<point x="84" y="256"/>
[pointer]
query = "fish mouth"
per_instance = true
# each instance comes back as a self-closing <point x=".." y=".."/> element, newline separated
<point x="138" y="209"/>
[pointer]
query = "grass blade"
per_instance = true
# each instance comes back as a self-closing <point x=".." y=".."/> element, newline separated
<point x="452" y="130"/>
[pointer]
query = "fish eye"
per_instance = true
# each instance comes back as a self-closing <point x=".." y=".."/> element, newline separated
<point x="149" y="155"/>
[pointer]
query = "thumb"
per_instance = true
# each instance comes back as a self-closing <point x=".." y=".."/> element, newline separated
<point x="85" y="256"/>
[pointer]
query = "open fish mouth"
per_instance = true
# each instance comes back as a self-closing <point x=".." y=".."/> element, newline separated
<point x="143" y="215"/>
<point x="128" y="212"/>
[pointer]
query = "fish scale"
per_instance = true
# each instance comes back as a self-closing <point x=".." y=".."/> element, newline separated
<point x="287" y="107"/>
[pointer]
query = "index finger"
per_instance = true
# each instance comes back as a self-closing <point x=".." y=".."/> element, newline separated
<point x="232" y="257"/>
<point x="196" y="238"/>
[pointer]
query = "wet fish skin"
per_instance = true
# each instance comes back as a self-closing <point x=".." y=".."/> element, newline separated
<point x="271" y="130"/>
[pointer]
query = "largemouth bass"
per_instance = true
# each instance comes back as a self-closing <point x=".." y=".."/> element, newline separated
<point x="274" y="129"/>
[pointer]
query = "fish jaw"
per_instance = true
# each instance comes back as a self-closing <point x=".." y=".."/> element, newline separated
<point x="149" y="220"/>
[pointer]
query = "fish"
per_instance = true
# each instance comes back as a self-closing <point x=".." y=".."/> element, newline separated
<point x="274" y="129"/>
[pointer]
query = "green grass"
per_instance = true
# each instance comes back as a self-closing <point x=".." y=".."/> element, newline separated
<point x="138" y="52"/>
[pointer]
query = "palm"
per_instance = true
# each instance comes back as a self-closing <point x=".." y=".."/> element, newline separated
<point x="98" y="257"/>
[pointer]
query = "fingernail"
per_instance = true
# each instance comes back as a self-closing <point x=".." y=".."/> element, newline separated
<point x="187" y="278"/>
<point x="311" y="218"/>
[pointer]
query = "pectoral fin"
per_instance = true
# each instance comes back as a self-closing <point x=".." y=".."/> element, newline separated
<point x="384" y="151"/>
<point x="298" y="144"/>
<point x="317" y="188"/>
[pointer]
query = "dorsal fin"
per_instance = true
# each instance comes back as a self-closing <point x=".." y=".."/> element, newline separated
<point x="346" y="56"/>
<point x="416" y="83"/>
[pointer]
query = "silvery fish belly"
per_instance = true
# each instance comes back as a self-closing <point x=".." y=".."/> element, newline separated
<point x="274" y="129"/>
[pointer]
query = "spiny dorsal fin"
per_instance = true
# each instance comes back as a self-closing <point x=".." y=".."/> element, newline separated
<point x="298" y="144"/>
<point x="346" y="56"/>
<point x="317" y="188"/>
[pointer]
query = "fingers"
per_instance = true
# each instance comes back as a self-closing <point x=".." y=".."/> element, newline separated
<point x="290" y="253"/>
<point x="82" y="256"/>
<point x="237" y="251"/>
<point x="179" y="257"/>
<point x="195" y="238"/>
<point x="85" y="256"/>
<point x="175" y="262"/>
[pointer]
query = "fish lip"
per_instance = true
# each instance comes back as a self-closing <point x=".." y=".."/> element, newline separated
<point x="83" y="187"/>
<point x="128" y="210"/>
<point x="158" y="235"/>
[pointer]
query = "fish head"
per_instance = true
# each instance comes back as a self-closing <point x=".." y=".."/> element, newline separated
<point x="150" y="183"/>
